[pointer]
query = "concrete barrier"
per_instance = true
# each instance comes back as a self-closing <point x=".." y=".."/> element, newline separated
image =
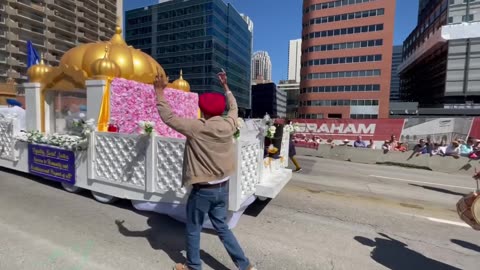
<point x="407" y="159"/>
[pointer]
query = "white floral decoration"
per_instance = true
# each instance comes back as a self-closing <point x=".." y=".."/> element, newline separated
<point x="68" y="142"/>
<point x="271" y="132"/>
<point x="148" y="127"/>
<point x="289" y="128"/>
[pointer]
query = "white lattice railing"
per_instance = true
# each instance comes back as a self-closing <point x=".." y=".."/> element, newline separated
<point x="119" y="159"/>
<point x="249" y="159"/>
<point x="155" y="164"/>
<point x="8" y="129"/>
<point x="167" y="166"/>
<point x="147" y="163"/>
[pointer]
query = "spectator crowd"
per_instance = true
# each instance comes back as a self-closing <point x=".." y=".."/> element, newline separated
<point x="457" y="148"/>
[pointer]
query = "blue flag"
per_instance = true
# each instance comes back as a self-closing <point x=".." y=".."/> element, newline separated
<point x="32" y="55"/>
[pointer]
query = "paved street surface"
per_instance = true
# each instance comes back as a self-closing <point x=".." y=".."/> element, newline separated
<point x="334" y="215"/>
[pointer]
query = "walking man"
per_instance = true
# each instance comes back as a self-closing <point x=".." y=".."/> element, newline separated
<point x="208" y="164"/>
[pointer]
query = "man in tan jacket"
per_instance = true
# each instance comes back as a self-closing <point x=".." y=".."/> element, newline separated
<point x="209" y="161"/>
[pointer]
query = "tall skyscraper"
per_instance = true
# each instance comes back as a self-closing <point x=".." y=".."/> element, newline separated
<point x="395" y="81"/>
<point x="53" y="27"/>
<point x="441" y="58"/>
<point x="291" y="87"/>
<point x="346" y="59"/>
<point x="250" y="28"/>
<point x="202" y="37"/>
<point x="261" y="67"/>
<point x="294" y="60"/>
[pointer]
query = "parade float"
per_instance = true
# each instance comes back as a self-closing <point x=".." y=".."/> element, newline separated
<point x="92" y="124"/>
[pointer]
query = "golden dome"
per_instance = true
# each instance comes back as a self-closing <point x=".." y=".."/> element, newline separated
<point x="37" y="72"/>
<point x="181" y="84"/>
<point x="132" y="64"/>
<point x="105" y="67"/>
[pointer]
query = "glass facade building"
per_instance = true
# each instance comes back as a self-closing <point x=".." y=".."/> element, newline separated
<point x="202" y="37"/>
<point x="268" y="98"/>
<point x="440" y="68"/>
<point x="395" y="81"/>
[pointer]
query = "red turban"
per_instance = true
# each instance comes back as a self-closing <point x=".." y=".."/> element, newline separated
<point x="212" y="104"/>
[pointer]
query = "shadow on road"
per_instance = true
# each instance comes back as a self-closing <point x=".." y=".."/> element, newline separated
<point x="167" y="234"/>
<point x="446" y="191"/>
<point x="466" y="245"/>
<point x="256" y="207"/>
<point x="394" y="254"/>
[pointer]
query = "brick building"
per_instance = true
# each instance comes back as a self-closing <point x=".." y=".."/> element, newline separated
<point x="346" y="58"/>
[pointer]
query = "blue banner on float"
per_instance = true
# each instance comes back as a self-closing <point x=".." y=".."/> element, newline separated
<point x="51" y="163"/>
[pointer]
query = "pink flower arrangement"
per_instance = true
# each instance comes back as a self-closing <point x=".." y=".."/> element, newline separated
<point x="132" y="102"/>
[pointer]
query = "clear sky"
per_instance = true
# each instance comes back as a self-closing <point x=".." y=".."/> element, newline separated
<point x="278" y="21"/>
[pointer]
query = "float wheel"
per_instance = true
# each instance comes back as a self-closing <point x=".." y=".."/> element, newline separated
<point x="71" y="188"/>
<point x="103" y="198"/>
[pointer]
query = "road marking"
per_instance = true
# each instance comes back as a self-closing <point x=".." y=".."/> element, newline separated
<point x="447" y="222"/>
<point x="420" y="182"/>
<point x="438" y="220"/>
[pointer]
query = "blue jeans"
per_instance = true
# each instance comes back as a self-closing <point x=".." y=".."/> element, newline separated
<point x="211" y="201"/>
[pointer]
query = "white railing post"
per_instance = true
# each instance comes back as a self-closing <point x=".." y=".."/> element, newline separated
<point x="95" y="92"/>
<point x="235" y="184"/>
<point x="91" y="156"/>
<point x="151" y="164"/>
<point x="33" y="104"/>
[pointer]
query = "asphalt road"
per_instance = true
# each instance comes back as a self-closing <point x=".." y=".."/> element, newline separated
<point x="333" y="215"/>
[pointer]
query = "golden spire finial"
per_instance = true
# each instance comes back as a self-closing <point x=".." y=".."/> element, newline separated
<point x="41" y="59"/>
<point x="181" y="74"/>
<point x="118" y="29"/>
<point x="106" y="52"/>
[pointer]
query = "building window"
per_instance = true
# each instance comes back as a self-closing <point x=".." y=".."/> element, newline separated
<point x="343" y="60"/>
<point x="339" y="102"/>
<point x="348" y="16"/>
<point x="450" y="19"/>
<point x="467" y="18"/>
<point x="311" y="116"/>
<point x="343" y="74"/>
<point x="344" y="31"/>
<point x="335" y="115"/>
<point x="345" y="46"/>
<point x="342" y="88"/>
<point x="334" y="4"/>
<point x="364" y="116"/>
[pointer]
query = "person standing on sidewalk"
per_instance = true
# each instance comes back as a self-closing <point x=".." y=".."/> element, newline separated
<point x="209" y="161"/>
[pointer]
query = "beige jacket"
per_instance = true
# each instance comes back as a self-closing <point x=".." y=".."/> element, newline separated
<point x="209" y="150"/>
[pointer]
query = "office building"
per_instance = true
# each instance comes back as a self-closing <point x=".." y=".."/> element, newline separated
<point x="202" y="37"/>
<point x="346" y="58"/>
<point x="53" y="26"/>
<point x="292" y="91"/>
<point x="250" y="28"/>
<point x="268" y="98"/>
<point x="441" y="58"/>
<point x="294" y="60"/>
<point x="261" y="67"/>
<point x="395" y="81"/>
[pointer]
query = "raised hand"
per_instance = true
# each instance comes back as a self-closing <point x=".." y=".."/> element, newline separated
<point x="160" y="83"/>
<point x="222" y="77"/>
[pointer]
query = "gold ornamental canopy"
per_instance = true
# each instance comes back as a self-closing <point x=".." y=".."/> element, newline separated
<point x="180" y="83"/>
<point x="109" y="59"/>
<point x="37" y="72"/>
